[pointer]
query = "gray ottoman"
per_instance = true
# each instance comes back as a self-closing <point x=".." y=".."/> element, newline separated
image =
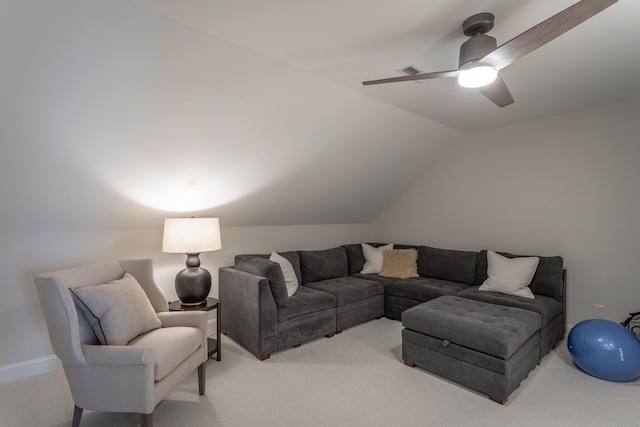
<point x="487" y="347"/>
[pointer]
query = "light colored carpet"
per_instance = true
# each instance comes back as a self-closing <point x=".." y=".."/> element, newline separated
<point x="356" y="378"/>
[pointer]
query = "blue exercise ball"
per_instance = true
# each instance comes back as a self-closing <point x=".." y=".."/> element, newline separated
<point x="605" y="350"/>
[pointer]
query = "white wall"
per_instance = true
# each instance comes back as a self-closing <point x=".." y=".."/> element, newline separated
<point x="23" y="331"/>
<point x="113" y="117"/>
<point x="565" y="185"/>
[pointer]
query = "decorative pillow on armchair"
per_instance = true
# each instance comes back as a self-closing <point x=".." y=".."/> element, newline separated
<point x="117" y="311"/>
<point x="510" y="276"/>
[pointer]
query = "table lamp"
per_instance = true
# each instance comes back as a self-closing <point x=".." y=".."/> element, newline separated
<point x="192" y="236"/>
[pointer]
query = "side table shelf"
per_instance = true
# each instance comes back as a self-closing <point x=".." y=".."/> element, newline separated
<point x="211" y="304"/>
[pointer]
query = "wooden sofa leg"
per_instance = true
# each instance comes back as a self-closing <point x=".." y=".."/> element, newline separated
<point x="497" y="399"/>
<point x="146" y="420"/>
<point x="339" y="331"/>
<point x="202" y="376"/>
<point x="379" y="317"/>
<point x="329" y="335"/>
<point x="264" y="356"/>
<point x="77" y="414"/>
<point x="409" y="363"/>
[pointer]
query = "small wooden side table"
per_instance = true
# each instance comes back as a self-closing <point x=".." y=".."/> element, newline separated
<point x="213" y="344"/>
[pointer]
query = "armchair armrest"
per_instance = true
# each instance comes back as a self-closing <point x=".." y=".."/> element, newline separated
<point x="196" y="319"/>
<point x="114" y="378"/>
<point x="116" y="355"/>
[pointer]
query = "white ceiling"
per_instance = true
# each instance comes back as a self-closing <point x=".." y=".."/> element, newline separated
<point x="350" y="41"/>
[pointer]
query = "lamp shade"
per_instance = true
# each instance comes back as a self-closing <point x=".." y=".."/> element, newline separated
<point x="191" y="235"/>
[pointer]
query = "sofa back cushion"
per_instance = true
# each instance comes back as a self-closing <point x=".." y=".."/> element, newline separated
<point x="324" y="264"/>
<point x="448" y="264"/>
<point x="268" y="269"/>
<point x="355" y="257"/>
<point x="546" y="281"/>
<point x="291" y="256"/>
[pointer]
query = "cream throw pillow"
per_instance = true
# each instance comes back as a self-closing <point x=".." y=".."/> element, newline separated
<point x="510" y="276"/>
<point x="290" y="278"/>
<point x="117" y="311"/>
<point x="373" y="258"/>
<point x="400" y="263"/>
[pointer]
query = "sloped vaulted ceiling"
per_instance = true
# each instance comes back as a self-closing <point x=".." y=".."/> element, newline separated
<point x="592" y="65"/>
<point x="114" y="116"/>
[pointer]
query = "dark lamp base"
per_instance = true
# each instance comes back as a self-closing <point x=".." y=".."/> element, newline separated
<point x="193" y="284"/>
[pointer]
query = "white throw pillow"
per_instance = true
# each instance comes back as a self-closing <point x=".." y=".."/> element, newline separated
<point x="117" y="311"/>
<point x="373" y="258"/>
<point x="510" y="276"/>
<point x="290" y="278"/>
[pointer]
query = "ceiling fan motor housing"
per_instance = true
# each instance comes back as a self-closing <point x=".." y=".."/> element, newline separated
<point x="476" y="47"/>
<point x="480" y="44"/>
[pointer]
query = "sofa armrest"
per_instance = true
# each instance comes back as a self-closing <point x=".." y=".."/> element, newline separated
<point x="249" y="312"/>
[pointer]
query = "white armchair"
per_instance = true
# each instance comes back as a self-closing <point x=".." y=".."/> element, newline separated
<point x="130" y="378"/>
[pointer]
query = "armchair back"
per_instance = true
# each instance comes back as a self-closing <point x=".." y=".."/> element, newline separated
<point x="67" y="325"/>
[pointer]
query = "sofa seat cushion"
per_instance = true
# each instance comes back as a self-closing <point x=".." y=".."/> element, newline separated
<point x="492" y="329"/>
<point x="418" y="288"/>
<point x="305" y="301"/>
<point x="348" y="289"/>
<point x="171" y="346"/>
<point x="547" y="307"/>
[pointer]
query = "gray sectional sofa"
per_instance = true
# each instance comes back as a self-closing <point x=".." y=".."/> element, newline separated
<point x="487" y="341"/>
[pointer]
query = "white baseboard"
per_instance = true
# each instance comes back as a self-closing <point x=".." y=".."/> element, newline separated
<point x="29" y="368"/>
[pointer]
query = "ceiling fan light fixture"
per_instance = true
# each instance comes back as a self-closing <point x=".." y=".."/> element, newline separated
<point x="477" y="76"/>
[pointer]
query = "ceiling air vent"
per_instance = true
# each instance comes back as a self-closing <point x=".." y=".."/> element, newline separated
<point x="411" y="70"/>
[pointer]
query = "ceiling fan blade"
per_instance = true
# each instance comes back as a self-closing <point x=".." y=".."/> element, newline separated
<point x="498" y="92"/>
<point x="420" y="76"/>
<point x="544" y="32"/>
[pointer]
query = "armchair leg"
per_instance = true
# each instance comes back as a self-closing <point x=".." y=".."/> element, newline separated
<point x="77" y="414"/>
<point x="202" y="376"/>
<point x="146" y="420"/>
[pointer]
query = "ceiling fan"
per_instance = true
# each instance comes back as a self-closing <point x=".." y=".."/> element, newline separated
<point x="480" y="59"/>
